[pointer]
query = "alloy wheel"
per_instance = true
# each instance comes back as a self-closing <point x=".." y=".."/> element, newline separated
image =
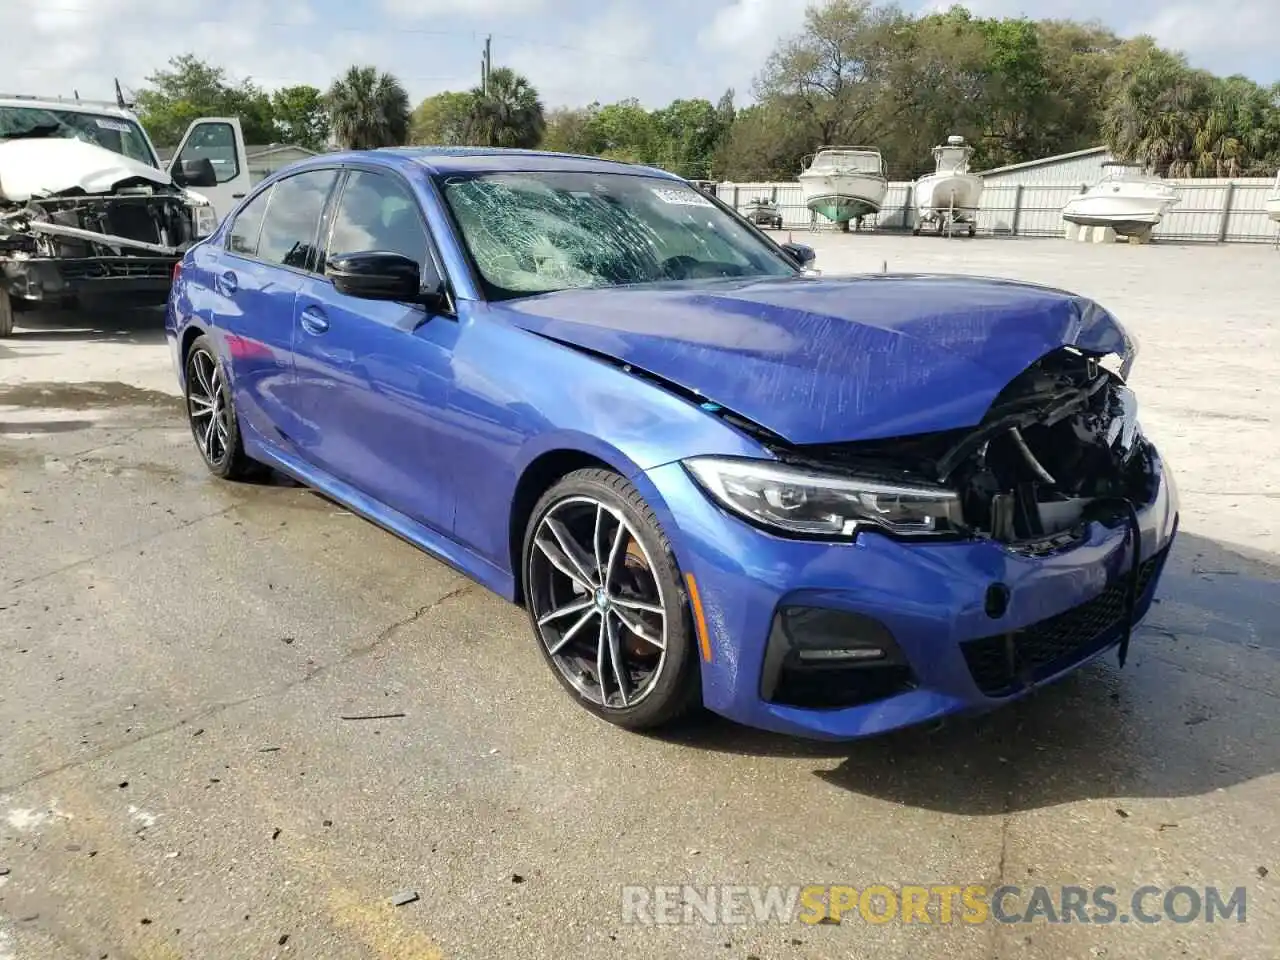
<point x="207" y="407"/>
<point x="597" y="603"/>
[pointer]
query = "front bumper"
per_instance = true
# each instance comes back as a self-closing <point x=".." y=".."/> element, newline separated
<point x="140" y="279"/>
<point x="952" y="650"/>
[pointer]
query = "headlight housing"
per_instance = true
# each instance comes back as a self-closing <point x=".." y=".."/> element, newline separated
<point x="806" y="503"/>
<point x="204" y="219"/>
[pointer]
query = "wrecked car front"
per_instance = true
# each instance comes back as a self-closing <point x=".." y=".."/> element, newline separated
<point x="952" y="499"/>
<point x="76" y="217"/>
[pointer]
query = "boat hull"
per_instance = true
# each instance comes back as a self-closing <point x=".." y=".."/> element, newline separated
<point x="1127" y="216"/>
<point x="843" y="197"/>
<point x="954" y="195"/>
<point x="1273" y="208"/>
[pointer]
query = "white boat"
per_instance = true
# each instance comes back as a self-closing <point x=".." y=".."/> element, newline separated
<point x="844" y="184"/>
<point x="950" y="194"/>
<point x="1273" y="201"/>
<point x="1127" y="199"/>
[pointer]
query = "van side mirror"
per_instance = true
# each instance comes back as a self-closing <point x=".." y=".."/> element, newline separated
<point x="194" y="173"/>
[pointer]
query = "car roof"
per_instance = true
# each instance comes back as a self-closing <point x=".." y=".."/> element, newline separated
<point x="488" y="160"/>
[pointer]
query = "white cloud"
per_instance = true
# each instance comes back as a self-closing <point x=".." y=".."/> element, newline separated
<point x="1246" y="27"/>
<point x="422" y="9"/>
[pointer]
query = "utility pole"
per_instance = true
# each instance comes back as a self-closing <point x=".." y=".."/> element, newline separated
<point x="486" y="64"/>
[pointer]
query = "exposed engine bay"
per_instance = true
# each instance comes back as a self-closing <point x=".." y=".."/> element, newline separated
<point x="1060" y="446"/>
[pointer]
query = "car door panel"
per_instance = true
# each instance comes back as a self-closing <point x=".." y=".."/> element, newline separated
<point x="374" y="377"/>
<point x="219" y="140"/>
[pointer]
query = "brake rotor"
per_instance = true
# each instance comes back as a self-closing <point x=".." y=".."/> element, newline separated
<point x="639" y="577"/>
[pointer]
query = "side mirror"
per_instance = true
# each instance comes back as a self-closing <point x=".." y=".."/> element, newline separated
<point x="801" y="253"/>
<point x="380" y="275"/>
<point x="194" y="173"/>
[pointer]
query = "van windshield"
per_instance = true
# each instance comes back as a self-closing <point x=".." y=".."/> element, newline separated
<point x="114" y="133"/>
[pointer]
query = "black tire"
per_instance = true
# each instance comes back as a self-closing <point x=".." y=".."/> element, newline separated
<point x="229" y="460"/>
<point x="6" y="313"/>
<point x="677" y="687"/>
<point x="973" y="231"/>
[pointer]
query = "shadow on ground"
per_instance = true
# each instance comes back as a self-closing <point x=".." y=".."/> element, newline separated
<point x="91" y="322"/>
<point x="1170" y="724"/>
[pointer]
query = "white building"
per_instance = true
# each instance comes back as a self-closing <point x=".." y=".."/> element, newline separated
<point x="1080" y="166"/>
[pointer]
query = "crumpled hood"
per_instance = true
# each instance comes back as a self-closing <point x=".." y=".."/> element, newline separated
<point x="823" y="361"/>
<point x="46" y="165"/>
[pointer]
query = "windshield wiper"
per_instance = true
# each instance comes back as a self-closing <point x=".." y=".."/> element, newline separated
<point x="32" y="133"/>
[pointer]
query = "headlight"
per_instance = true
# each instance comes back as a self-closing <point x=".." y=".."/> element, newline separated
<point x="799" y="501"/>
<point x="204" y="219"/>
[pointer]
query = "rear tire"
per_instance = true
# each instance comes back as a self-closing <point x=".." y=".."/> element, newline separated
<point x="6" y="313"/>
<point x="212" y="415"/>
<point x="609" y="611"/>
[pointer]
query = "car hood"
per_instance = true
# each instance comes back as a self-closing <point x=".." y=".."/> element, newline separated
<point x="829" y="360"/>
<point x="50" y="165"/>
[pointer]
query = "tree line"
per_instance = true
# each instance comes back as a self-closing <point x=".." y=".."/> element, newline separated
<point x="858" y="72"/>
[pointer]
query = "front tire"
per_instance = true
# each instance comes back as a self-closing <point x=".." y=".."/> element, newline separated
<point x="607" y="604"/>
<point x="6" y="313"/>
<point x="212" y="415"/>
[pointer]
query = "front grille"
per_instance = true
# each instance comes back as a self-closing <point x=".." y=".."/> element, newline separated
<point x="1003" y="662"/>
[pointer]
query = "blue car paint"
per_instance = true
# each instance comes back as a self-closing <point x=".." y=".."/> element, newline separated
<point x="427" y="424"/>
<point x="821" y="361"/>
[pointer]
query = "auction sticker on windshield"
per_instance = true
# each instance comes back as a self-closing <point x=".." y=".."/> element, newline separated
<point x="685" y="198"/>
<point x="117" y="125"/>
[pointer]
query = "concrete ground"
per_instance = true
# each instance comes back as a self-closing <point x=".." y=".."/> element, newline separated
<point x="177" y="778"/>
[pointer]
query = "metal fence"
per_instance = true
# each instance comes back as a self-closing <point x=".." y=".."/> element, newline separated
<point x="1214" y="211"/>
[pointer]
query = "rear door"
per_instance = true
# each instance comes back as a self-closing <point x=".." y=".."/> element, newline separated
<point x="374" y="376"/>
<point x="221" y="141"/>
<point x="270" y="250"/>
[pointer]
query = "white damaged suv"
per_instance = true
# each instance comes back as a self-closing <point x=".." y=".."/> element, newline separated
<point x="86" y="209"/>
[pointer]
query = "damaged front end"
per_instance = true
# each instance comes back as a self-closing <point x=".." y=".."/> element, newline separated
<point x="1059" y="449"/>
<point x="122" y="244"/>
<point x="1060" y="446"/>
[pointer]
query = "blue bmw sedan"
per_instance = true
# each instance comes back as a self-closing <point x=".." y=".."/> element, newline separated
<point x="823" y="506"/>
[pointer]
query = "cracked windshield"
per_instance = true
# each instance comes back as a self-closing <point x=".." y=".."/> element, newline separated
<point x="532" y="233"/>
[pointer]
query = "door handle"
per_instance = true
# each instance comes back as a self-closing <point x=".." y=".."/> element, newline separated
<point x="237" y="196"/>
<point x="314" y="321"/>
<point x="228" y="283"/>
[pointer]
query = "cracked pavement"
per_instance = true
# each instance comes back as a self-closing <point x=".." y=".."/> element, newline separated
<point x="176" y="779"/>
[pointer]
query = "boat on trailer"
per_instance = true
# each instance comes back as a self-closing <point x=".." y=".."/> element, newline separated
<point x="844" y="184"/>
<point x="1273" y="202"/>
<point x="1127" y="199"/>
<point x="949" y="196"/>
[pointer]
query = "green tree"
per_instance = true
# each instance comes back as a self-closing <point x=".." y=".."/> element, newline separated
<point x="191" y="88"/>
<point x="687" y="133"/>
<point x="301" y="117"/>
<point x="368" y="109"/>
<point x="569" y="130"/>
<point x="1157" y="107"/>
<point x="625" y="131"/>
<point x="442" y="120"/>
<point x="509" y="115"/>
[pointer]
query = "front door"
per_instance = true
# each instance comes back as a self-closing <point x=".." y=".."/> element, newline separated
<point x="374" y="376"/>
<point x="220" y="141"/>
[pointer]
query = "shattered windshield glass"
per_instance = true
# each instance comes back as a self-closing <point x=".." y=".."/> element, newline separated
<point x="532" y="233"/>
<point x="112" y="133"/>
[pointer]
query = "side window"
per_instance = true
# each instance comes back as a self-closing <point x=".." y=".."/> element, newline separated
<point x="215" y="142"/>
<point x="293" y="219"/>
<point x="243" y="236"/>
<point x="378" y="212"/>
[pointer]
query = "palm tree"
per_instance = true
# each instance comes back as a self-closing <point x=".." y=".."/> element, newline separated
<point x="369" y="109"/>
<point x="510" y="115"/>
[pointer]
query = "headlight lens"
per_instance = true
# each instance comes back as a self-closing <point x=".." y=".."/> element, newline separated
<point x="205" y="220"/>
<point x="802" y="502"/>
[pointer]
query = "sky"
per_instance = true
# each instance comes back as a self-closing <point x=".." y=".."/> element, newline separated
<point x="573" y="51"/>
